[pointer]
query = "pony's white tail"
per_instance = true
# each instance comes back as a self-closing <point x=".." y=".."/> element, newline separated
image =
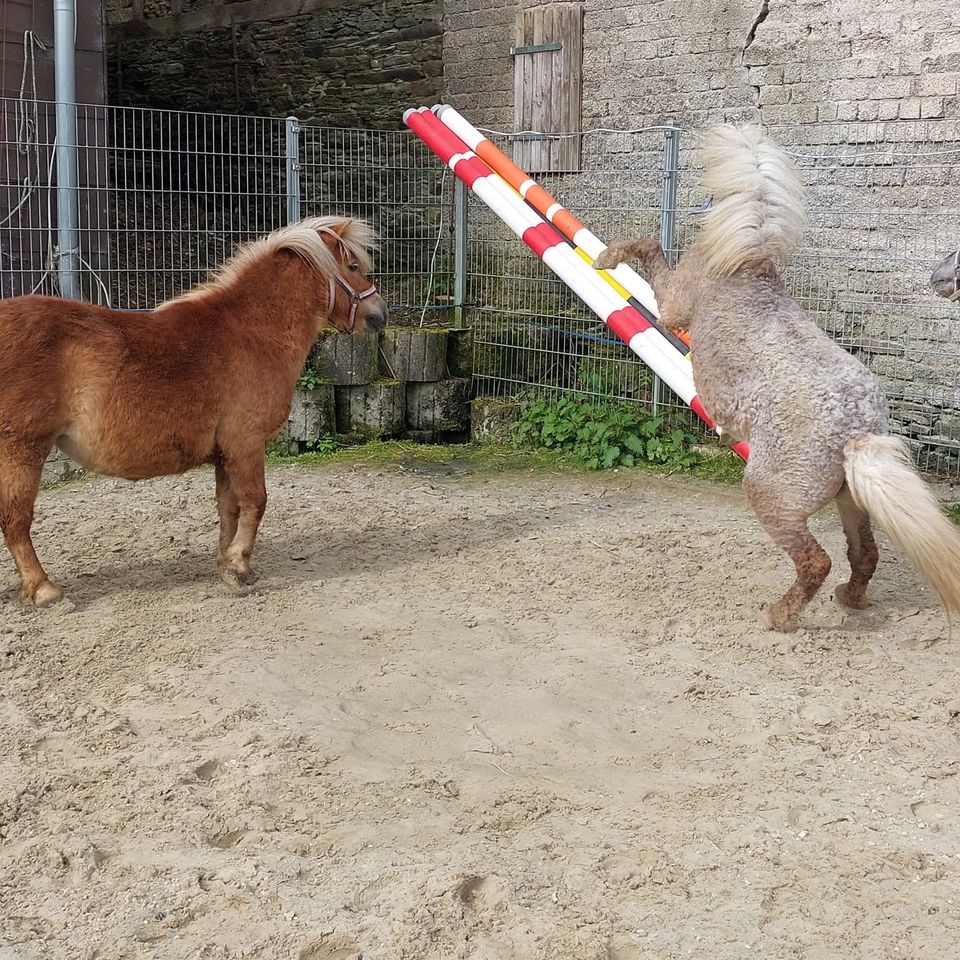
<point x="758" y="209"/>
<point x="884" y="482"/>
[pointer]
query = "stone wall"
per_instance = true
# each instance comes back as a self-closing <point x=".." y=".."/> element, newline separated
<point x="36" y="16"/>
<point x="346" y="63"/>
<point x="778" y="61"/>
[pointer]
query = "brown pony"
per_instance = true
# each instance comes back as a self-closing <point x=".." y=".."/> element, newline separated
<point x="207" y="377"/>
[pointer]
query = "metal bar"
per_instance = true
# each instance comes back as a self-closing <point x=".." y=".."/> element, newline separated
<point x="536" y="136"/>
<point x="460" y="254"/>
<point x="536" y="48"/>
<point x="668" y="220"/>
<point x="68" y="212"/>
<point x="668" y="194"/>
<point x="293" y="169"/>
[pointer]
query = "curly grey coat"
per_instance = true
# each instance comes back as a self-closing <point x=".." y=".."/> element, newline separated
<point x="814" y="416"/>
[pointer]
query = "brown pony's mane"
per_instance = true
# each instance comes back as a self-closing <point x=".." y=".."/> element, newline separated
<point x="208" y="378"/>
<point x="305" y="239"/>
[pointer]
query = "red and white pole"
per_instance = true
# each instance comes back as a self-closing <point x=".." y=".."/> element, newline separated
<point x="643" y="338"/>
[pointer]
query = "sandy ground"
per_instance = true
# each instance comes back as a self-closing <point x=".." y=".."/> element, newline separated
<point x="520" y="716"/>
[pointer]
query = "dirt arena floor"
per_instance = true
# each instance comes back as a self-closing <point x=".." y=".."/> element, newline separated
<point x="499" y="717"/>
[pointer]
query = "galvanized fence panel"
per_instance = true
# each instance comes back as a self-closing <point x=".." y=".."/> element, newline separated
<point x="390" y="179"/>
<point x="530" y="330"/>
<point x="165" y="197"/>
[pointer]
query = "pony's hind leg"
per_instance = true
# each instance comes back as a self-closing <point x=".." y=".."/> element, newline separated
<point x="228" y="508"/>
<point x="781" y="515"/>
<point x="245" y="499"/>
<point x="20" y="472"/>
<point x="862" y="552"/>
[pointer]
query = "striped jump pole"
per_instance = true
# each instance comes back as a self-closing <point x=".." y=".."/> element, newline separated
<point x="629" y="283"/>
<point x="643" y="338"/>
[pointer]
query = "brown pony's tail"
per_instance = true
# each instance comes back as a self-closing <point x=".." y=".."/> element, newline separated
<point x="884" y="482"/>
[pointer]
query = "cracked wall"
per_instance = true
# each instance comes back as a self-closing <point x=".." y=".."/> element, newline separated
<point x="882" y="200"/>
<point x="781" y="61"/>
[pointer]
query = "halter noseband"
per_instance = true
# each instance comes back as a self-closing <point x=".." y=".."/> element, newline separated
<point x="355" y="297"/>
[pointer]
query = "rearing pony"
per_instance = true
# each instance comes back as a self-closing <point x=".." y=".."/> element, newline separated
<point x="815" y="417"/>
<point x="206" y="377"/>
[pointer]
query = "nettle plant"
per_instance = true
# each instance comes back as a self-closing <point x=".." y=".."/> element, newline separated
<point x="604" y="434"/>
<point x="309" y="379"/>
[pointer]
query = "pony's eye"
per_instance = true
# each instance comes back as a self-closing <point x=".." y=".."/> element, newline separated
<point x="353" y="267"/>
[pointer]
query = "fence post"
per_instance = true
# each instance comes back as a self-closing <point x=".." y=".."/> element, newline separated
<point x="68" y="201"/>
<point x="668" y="193"/>
<point x="293" y="169"/>
<point x="668" y="216"/>
<point x="460" y="203"/>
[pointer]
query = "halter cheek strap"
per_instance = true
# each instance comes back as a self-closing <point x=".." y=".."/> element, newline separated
<point x="356" y="297"/>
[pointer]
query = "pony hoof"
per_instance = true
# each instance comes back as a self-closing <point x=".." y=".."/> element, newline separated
<point x="46" y="595"/>
<point x="845" y="598"/>
<point x="775" y="619"/>
<point x="239" y="581"/>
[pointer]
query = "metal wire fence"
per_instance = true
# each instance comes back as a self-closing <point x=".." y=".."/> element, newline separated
<point x="165" y="196"/>
<point x="883" y="212"/>
<point x="390" y="179"/>
<point x="530" y="331"/>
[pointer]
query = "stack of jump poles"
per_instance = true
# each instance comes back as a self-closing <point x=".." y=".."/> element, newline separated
<point x="620" y="297"/>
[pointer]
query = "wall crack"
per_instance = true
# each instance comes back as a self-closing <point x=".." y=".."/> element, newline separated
<point x="762" y="15"/>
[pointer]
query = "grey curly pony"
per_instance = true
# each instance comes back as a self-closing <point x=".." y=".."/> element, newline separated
<point x="814" y="416"/>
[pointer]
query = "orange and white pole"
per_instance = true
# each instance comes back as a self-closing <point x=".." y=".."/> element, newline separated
<point x="628" y="323"/>
<point x="624" y="278"/>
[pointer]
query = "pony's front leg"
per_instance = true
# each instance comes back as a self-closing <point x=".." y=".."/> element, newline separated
<point x="647" y="250"/>
<point x="674" y="312"/>
<point x="20" y="472"/>
<point x="246" y="499"/>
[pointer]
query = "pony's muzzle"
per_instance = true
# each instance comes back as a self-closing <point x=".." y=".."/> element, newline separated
<point x="945" y="279"/>
<point x="377" y="315"/>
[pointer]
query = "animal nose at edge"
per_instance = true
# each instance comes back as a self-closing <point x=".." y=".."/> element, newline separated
<point x="379" y="317"/>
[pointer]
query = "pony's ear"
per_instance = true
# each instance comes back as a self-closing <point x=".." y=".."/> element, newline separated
<point x="340" y="227"/>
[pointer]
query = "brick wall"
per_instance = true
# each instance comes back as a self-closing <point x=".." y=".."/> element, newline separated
<point x="792" y="61"/>
<point x="865" y="95"/>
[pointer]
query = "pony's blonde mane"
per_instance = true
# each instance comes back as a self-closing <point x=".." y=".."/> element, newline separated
<point x="305" y="239"/>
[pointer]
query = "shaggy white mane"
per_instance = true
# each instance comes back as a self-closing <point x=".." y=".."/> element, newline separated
<point x="758" y="209"/>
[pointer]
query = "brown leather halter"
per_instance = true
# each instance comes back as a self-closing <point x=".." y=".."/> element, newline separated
<point x="356" y="297"/>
